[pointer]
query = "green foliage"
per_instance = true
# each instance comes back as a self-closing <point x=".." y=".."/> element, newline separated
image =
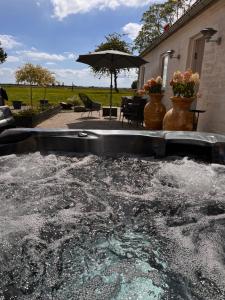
<point x="32" y="74"/>
<point x="156" y="17"/>
<point x="156" y="89"/>
<point x="3" y="55"/>
<point x="32" y="111"/>
<point x="75" y="100"/>
<point x="186" y="90"/>
<point x="27" y="112"/>
<point x="27" y="74"/>
<point x="61" y="94"/>
<point x="113" y="41"/>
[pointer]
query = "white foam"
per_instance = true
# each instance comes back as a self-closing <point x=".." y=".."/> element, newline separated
<point x="65" y="191"/>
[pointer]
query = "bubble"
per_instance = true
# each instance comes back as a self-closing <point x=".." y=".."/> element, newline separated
<point x="89" y="227"/>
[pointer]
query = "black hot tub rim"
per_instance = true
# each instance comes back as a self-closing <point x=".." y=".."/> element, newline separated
<point x="205" y="146"/>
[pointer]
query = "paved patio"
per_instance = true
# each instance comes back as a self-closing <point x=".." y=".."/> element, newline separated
<point x="74" y="120"/>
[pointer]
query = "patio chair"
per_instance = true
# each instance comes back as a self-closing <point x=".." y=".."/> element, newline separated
<point x="89" y="105"/>
<point x="134" y="110"/>
<point x="123" y="105"/>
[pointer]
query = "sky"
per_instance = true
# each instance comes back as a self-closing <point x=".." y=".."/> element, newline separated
<point x="52" y="33"/>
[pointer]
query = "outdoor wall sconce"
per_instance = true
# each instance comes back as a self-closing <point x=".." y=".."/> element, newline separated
<point x="171" y="54"/>
<point x="208" y="33"/>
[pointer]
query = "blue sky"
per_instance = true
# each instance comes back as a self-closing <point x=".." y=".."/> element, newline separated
<point x="52" y="33"/>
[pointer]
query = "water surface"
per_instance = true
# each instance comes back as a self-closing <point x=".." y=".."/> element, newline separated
<point x="88" y="227"/>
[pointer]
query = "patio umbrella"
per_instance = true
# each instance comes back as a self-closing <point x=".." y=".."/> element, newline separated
<point x="112" y="60"/>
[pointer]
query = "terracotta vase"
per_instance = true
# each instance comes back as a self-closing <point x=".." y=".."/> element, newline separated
<point x="179" y="117"/>
<point x="154" y="112"/>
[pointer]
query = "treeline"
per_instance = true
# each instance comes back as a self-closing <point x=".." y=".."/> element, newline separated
<point x="58" y="86"/>
<point x="158" y="18"/>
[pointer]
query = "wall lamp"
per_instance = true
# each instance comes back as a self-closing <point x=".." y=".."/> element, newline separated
<point x="208" y="33"/>
<point x="171" y="54"/>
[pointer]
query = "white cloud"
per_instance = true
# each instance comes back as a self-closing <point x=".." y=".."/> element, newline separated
<point x="72" y="56"/>
<point x="72" y="74"/>
<point x="132" y="29"/>
<point x="35" y="56"/>
<point x="12" y="59"/>
<point x="63" y="8"/>
<point x="82" y="77"/>
<point x="40" y="56"/>
<point x="7" y="75"/>
<point x="8" y="41"/>
<point x="50" y="63"/>
<point x="85" y="77"/>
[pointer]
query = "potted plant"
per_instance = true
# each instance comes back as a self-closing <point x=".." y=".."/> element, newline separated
<point x="33" y="116"/>
<point x="43" y="102"/>
<point x="17" y="104"/>
<point x="179" y="116"/>
<point x="154" y="109"/>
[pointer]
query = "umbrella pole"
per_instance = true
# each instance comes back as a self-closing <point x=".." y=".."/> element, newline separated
<point x="110" y="101"/>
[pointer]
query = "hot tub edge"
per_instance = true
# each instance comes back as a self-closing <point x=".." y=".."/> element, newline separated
<point x="205" y="146"/>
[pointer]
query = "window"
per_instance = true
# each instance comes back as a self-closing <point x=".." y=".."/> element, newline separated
<point x="165" y="61"/>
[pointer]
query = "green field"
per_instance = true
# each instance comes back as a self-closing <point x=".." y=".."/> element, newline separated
<point x="58" y="94"/>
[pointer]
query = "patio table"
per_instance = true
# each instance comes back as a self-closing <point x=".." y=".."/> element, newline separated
<point x="106" y="111"/>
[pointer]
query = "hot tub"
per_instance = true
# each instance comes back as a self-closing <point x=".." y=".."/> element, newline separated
<point x="111" y="215"/>
<point x="205" y="146"/>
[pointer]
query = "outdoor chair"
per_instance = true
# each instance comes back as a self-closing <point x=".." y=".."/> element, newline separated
<point x="89" y="105"/>
<point x="133" y="110"/>
<point x="123" y="105"/>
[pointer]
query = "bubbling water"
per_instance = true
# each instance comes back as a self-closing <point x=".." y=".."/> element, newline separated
<point x="88" y="227"/>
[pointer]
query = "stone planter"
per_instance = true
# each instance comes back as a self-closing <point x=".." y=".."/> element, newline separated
<point x="43" y="102"/>
<point x="33" y="120"/>
<point x="154" y="112"/>
<point x="17" y="104"/>
<point x="179" y="117"/>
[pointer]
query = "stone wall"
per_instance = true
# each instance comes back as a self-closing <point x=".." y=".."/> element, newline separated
<point x="212" y="86"/>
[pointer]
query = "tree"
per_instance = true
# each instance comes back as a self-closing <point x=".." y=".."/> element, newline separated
<point x="3" y="55"/>
<point x="32" y="74"/>
<point x="46" y="78"/>
<point x="156" y="17"/>
<point x="113" y="42"/>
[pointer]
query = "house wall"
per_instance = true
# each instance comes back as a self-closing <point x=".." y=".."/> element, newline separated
<point x="212" y="85"/>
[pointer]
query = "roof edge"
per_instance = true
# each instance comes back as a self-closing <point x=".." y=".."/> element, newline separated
<point x="190" y="14"/>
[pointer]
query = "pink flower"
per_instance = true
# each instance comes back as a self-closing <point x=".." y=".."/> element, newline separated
<point x="141" y="92"/>
<point x="187" y="75"/>
<point x="183" y="84"/>
<point x="171" y="82"/>
<point x="153" y="85"/>
<point x="195" y="78"/>
<point x="146" y="87"/>
<point x="158" y="80"/>
<point x="178" y="77"/>
<point x="151" y="82"/>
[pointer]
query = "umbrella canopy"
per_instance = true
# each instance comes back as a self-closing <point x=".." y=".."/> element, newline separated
<point x="112" y="60"/>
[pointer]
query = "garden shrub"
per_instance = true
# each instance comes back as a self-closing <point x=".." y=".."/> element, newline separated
<point x="75" y="100"/>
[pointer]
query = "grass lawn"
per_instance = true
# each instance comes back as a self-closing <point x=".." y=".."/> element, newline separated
<point x="58" y="94"/>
